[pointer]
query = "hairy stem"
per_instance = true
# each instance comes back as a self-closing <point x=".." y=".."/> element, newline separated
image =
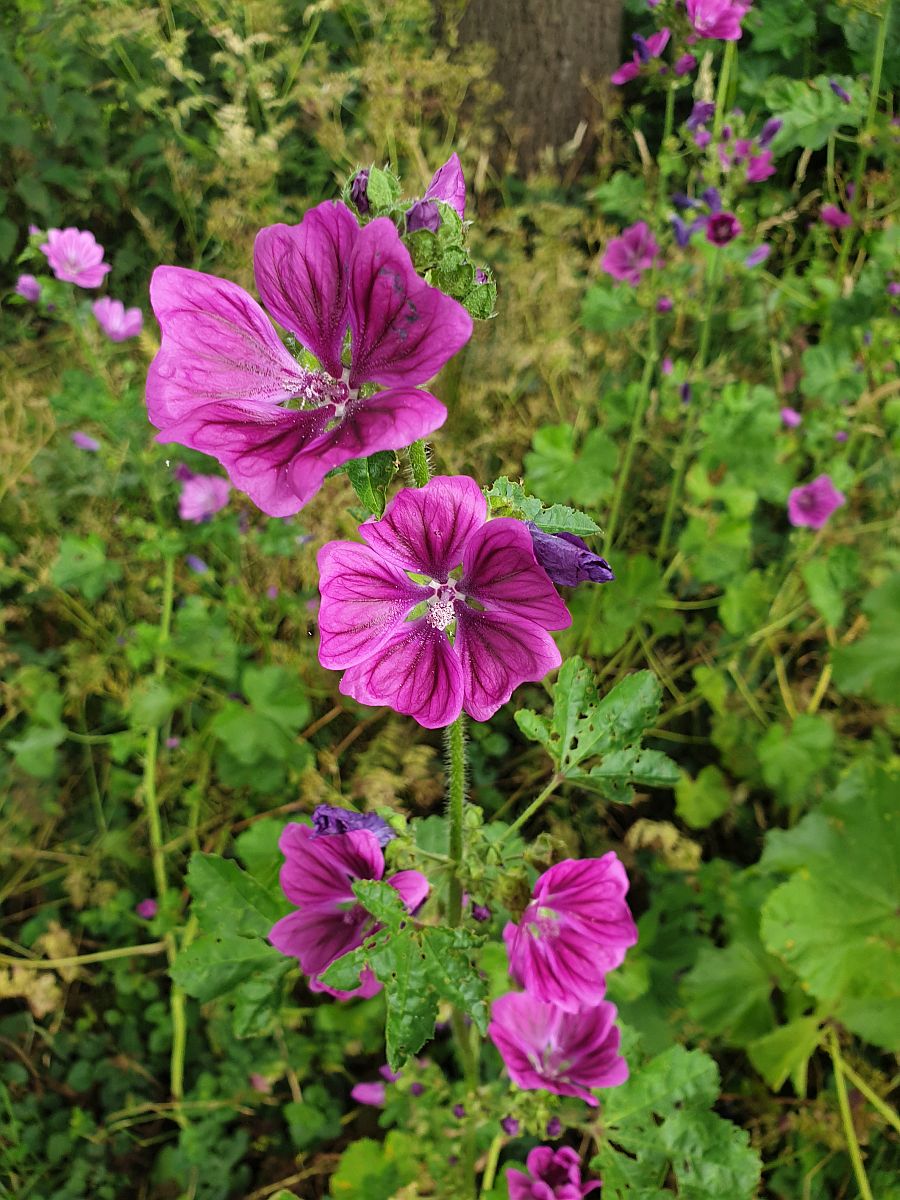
<point x="490" y="1169"/>
<point x="456" y="800"/>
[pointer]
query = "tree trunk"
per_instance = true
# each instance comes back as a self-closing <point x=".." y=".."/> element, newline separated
<point x="553" y="57"/>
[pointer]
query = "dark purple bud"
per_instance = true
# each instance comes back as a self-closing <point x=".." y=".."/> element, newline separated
<point x="726" y="133"/>
<point x="416" y="1089"/>
<point x="840" y="92"/>
<point x="329" y="820"/>
<point x="480" y="276"/>
<point x="685" y="393"/>
<point x="481" y="912"/>
<point x="769" y="130"/>
<point x="510" y="1126"/>
<point x="182" y="473"/>
<point x="359" y="192"/>
<point x="459" y="1111"/>
<point x="424" y="214"/>
<point x="554" y="1127"/>
<point x="841" y="435"/>
<point x="700" y="114"/>
<point x="147" y="909"/>
<point x="640" y="45"/>
<point x="722" y="228"/>
<point x="567" y="559"/>
<point x="712" y="199"/>
<point x="682" y="201"/>
<point x="867" y="337"/>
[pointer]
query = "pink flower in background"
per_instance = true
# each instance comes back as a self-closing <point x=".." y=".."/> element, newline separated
<point x="812" y="504"/>
<point x="75" y="256"/>
<point x="117" y="322"/>
<point x="147" y="909"/>
<point x="329" y="921"/>
<point x="722" y="228"/>
<point x="28" y="288"/>
<point x="760" y="166"/>
<point x="684" y="64"/>
<point x="202" y="496"/>
<point x="222" y="375"/>
<point x="259" y="1083"/>
<point x="790" y="417"/>
<point x="720" y="19"/>
<point x="369" y="1093"/>
<point x="629" y="255"/>
<point x="576" y="929"/>
<point x="835" y="217"/>
<point x="552" y="1175"/>
<point x="758" y="255"/>
<point x="645" y="50"/>
<point x="546" y="1048"/>
<point x="497" y="612"/>
<point x="84" y="441"/>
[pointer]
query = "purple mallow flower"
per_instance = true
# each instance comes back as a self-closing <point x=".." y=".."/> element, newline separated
<point x="75" y="256"/>
<point x="812" y="504"/>
<point x="84" y="441"/>
<point x="448" y="184"/>
<point x="712" y="198"/>
<point x="629" y="255"/>
<point x="831" y="215"/>
<point x="567" y="559"/>
<point x="575" y="930"/>
<point x="28" y="288"/>
<point x="329" y="921"/>
<point x="790" y="418"/>
<point x="481" y="912"/>
<point x="720" y="19"/>
<point x="552" y="1175"/>
<point x="358" y="192"/>
<point x="684" y="65"/>
<point x="758" y="255"/>
<point x="222" y="375"/>
<point x="546" y="1048"/>
<point x="147" y="909"/>
<point x="117" y="322"/>
<point x="664" y="304"/>
<point x="498" y="611"/>
<point x="645" y="50"/>
<point x="329" y="820"/>
<point x="722" y="228"/>
<point x="369" y="1093"/>
<point x="202" y="496"/>
<point x="841" y="435"/>
<point x="841" y="93"/>
<point x="424" y="214"/>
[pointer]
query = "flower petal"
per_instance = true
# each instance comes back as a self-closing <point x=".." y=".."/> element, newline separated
<point x="317" y="871"/>
<point x="385" y="421"/>
<point x="415" y="672"/>
<point x="316" y="937"/>
<point x="364" y="599"/>
<point x="412" y="887"/>
<point x="426" y="529"/>
<point x="403" y="329"/>
<point x="500" y="570"/>
<point x="449" y="184"/>
<point x="217" y="345"/>
<point x="257" y="443"/>
<point x="302" y="276"/>
<point x="498" y="651"/>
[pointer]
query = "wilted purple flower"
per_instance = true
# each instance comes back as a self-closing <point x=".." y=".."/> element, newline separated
<point x="575" y="930"/>
<point x="702" y="112"/>
<point x="147" y="909"/>
<point x="197" y="565"/>
<point x="117" y="322"/>
<point x="510" y="1126"/>
<point x="358" y="192"/>
<point x="684" y="65"/>
<point x="667" y="366"/>
<point x="416" y="1088"/>
<point x="758" y="255"/>
<point x="222" y="375"/>
<point x="841" y="93"/>
<point x="722" y="228"/>
<point x="369" y="1093"/>
<point x="682" y="201"/>
<point x="202" y="496"/>
<point x="769" y="130"/>
<point x="84" y="441"/>
<point x="812" y="504"/>
<point x="317" y="876"/>
<point x="833" y="216"/>
<point x="646" y="49"/>
<point x="629" y="255"/>
<point x="448" y="184"/>
<point x="720" y="19"/>
<point x="684" y="232"/>
<point x="481" y="276"/>
<point x="567" y="558"/>
<point x="702" y="138"/>
<point x="388" y="1075"/>
<point x="790" y="417"/>
<point x="75" y="256"/>
<point x="552" y="1175"/>
<point x="424" y="214"/>
<point x="35" y="231"/>
<point x="411" y="665"/>
<point x="841" y="435"/>
<point x="554" y="1127"/>
<point x="544" y="1047"/>
<point x="28" y="288"/>
<point x="664" y="304"/>
<point x="329" y="820"/>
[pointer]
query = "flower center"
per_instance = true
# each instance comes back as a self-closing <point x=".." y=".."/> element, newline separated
<point x="441" y="612"/>
<point x="543" y="923"/>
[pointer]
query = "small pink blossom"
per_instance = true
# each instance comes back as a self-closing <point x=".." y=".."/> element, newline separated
<point x="75" y="256"/>
<point x="259" y="1083"/>
<point x="147" y="909"/>
<point x="719" y="19"/>
<point x="646" y="49"/>
<point x="369" y="1093"/>
<point x="202" y="496"/>
<point x="812" y="504"/>
<point x="84" y="441"/>
<point x="722" y="228"/>
<point x="834" y="216"/>
<point x="552" y="1175"/>
<point x="790" y="417"/>
<point x="760" y="166"/>
<point x="629" y="255"/>
<point x="117" y="322"/>
<point x="684" y="64"/>
<point x="28" y="288"/>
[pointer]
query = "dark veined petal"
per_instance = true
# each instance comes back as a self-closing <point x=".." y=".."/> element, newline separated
<point x="426" y="529"/>
<point x="497" y="652"/>
<point x="501" y="571"/>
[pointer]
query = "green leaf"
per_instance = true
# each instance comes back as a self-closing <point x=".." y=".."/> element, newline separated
<point x="507" y="499"/>
<point x="228" y="900"/>
<point x="830" y="375"/>
<point x="151" y="703"/>
<point x="825" y="594"/>
<point x="371" y="1170"/>
<point x="371" y="477"/>
<point x="314" y="1119"/>
<point x="711" y="1157"/>
<point x="785" y="1053"/>
<point x="216" y="963"/>
<point x="276" y="694"/>
<point x="35" y="750"/>
<point x="871" y="666"/>
<point x="202" y="639"/>
<point x="728" y="992"/>
<point x="810" y="111"/>
<point x="746" y="603"/>
<point x="703" y="800"/>
<point x="382" y="189"/>
<point x="555" y="467"/>
<point x="792" y="759"/>
<point x="608" y="309"/>
<point x="81" y="566"/>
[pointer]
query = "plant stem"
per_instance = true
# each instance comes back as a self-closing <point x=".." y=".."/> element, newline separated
<point x="873" y="1098"/>
<point x="532" y="808"/>
<point x="82" y="960"/>
<point x="418" y="463"/>
<point x="728" y="60"/>
<point x="847" y="1118"/>
<point x="456" y="799"/>
<point x="637" y="420"/>
<point x="490" y="1168"/>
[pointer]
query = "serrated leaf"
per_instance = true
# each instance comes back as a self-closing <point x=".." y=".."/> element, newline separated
<point x="510" y="499"/>
<point x="82" y="566"/>
<point x="728" y="993"/>
<point x="216" y="963"/>
<point x="228" y="900"/>
<point x="411" y="1003"/>
<point x="450" y="971"/>
<point x="785" y="1053"/>
<point x="703" y="800"/>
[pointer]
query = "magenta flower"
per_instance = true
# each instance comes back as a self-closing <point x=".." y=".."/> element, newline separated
<point x="28" y="288"/>
<point x="684" y="64"/>
<point x="448" y="184"/>
<point x="575" y="930"/>
<point x="497" y="609"/>
<point x="330" y="922"/>
<point x="84" y="441"/>
<point x="75" y="256"/>
<point x="117" y="322"/>
<point x="833" y="216"/>
<point x="720" y="19"/>
<point x="202" y="496"/>
<point x="222" y="376"/>
<point x="628" y="256"/>
<point x="554" y="1175"/>
<point x="369" y="1093"/>
<point x="759" y="166"/>
<point x="813" y="504"/>
<point x="790" y="418"/>
<point x="546" y="1048"/>
<point x="147" y="909"/>
<point x="722" y="228"/>
<point x="758" y="255"/>
<point x="645" y="50"/>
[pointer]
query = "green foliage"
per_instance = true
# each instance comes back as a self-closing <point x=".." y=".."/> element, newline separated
<point x="82" y="567"/>
<point x="871" y="666"/>
<point x="811" y="112"/>
<point x="371" y="478"/>
<point x="371" y="1170"/>
<point x="703" y="800"/>
<point x="556" y="468"/>
<point x="508" y="499"/>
